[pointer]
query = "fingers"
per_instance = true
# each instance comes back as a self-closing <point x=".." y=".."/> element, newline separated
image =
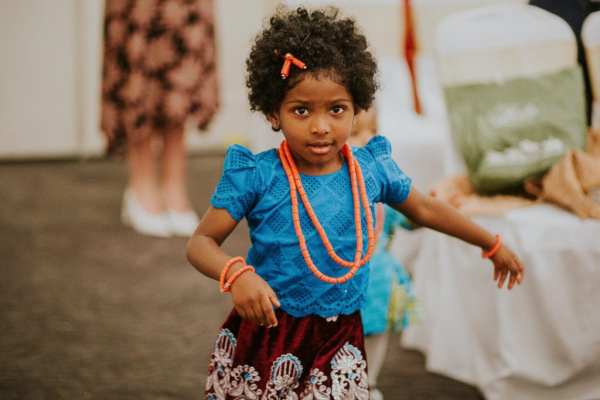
<point x="521" y="270"/>
<point x="268" y="312"/>
<point x="513" y="275"/>
<point x="257" y="305"/>
<point x="259" y="316"/>
<point x="253" y="314"/>
<point x="247" y="311"/>
<point x="513" y="279"/>
<point x="508" y="269"/>
<point x="518" y="270"/>
<point x="260" y="311"/>
<point x="274" y="302"/>
<point x="273" y="298"/>
<point x="502" y="278"/>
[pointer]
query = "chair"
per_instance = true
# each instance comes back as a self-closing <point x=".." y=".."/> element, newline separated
<point x="540" y="340"/>
<point x="513" y="92"/>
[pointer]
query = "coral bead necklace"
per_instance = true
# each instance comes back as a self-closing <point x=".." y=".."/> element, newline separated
<point x="356" y="179"/>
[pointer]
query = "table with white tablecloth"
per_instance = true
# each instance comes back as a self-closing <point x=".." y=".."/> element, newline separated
<point x="539" y="341"/>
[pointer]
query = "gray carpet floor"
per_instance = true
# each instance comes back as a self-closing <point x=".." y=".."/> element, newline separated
<point x="91" y="310"/>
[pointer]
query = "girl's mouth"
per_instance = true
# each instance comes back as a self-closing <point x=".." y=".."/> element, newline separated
<point x="320" y="148"/>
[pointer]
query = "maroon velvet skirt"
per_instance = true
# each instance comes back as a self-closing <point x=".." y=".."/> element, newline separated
<point x="302" y="358"/>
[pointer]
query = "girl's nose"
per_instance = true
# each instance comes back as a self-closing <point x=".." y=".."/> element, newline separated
<point x="320" y="126"/>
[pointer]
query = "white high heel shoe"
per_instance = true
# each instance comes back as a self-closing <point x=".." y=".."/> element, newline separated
<point x="134" y="215"/>
<point x="376" y="394"/>
<point x="182" y="223"/>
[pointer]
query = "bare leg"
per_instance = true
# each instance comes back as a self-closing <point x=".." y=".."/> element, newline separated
<point x="143" y="180"/>
<point x="174" y="172"/>
<point x="376" y="347"/>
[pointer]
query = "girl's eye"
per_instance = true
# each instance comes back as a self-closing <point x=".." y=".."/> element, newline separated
<point x="302" y="111"/>
<point x="338" y="109"/>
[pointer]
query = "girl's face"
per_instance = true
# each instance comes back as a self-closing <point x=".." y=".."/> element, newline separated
<point x="316" y="118"/>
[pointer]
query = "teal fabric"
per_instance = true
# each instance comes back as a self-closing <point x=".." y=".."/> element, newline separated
<point x="510" y="131"/>
<point x="385" y="271"/>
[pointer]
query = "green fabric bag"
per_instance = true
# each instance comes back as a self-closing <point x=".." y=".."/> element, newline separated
<point x="510" y="131"/>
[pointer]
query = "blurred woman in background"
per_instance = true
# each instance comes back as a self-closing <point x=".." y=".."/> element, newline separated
<point x="574" y="12"/>
<point x="159" y="71"/>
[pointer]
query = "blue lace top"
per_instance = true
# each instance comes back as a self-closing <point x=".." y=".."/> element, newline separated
<point x="256" y="187"/>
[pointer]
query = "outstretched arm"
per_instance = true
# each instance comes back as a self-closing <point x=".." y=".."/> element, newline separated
<point x="252" y="297"/>
<point x="430" y="212"/>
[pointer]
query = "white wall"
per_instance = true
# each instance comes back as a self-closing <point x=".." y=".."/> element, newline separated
<point x="37" y="88"/>
<point x="51" y="62"/>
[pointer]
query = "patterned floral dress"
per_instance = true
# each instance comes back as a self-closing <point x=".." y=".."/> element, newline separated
<point x="159" y="68"/>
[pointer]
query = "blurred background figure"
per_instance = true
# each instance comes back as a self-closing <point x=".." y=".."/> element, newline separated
<point x="390" y="301"/>
<point x="590" y="35"/>
<point x="574" y="12"/>
<point x="159" y="71"/>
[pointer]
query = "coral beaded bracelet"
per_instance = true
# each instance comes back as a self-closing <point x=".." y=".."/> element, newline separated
<point x="226" y="268"/>
<point x="494" y="249"/>
<point x="226" y="286"/>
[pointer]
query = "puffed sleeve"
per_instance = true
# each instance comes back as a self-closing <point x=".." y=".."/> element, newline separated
<point x="395" y="185"/>
<point x="236" y="191"/>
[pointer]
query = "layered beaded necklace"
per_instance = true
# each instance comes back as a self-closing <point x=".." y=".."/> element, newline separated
<point x="356" y="179"/>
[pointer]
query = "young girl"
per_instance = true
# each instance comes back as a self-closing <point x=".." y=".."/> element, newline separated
<point x="390" y="302"/>
<point x="295" y="331"/>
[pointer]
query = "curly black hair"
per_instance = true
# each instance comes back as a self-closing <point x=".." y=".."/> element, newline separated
<point x="327" y="44"/>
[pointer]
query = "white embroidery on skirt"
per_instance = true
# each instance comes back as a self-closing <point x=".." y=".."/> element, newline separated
<point x="316" y="389"/>
<point x="285" y="378"/>
<point x="244" y="379"/>
<point x="219" y="367"/>
<point x="349" y="375"/>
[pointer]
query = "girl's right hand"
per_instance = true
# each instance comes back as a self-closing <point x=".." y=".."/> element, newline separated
<point x="254" y="299"/>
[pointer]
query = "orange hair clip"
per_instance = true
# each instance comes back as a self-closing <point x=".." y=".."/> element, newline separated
<point x="287" y="63"/>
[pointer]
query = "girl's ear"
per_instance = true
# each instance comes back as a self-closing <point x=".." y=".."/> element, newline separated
<point x="273" y="118"/>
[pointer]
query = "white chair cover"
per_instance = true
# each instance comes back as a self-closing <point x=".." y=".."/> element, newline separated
<point x="498" y="44"/>
<point x="511" y="41"/>
<point x="429" y="13"/>
<point x="541" y="340"/>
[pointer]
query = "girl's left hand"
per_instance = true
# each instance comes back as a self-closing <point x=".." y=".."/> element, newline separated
<point x="507" y="265"/>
